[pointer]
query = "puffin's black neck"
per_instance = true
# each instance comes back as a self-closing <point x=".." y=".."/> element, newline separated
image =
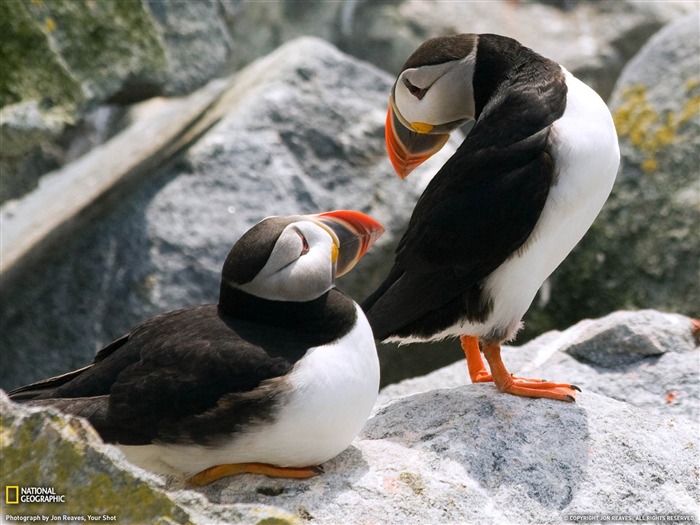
<point x="330" y="315"/>
<point x="514" y="83"/>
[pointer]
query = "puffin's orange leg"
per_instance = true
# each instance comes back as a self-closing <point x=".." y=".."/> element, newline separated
<point x="221" y="471"/>
<point x="524" y="387"/>
<point x="477" y="369"/>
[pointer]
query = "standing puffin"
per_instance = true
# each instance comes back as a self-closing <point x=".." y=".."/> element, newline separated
<point x="277" y="378"/>
<point x="505" y="210"/>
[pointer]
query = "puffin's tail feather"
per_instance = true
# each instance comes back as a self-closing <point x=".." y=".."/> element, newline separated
<point x="44" y="389"/>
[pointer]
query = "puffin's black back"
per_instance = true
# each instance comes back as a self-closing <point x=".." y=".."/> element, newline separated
<point x="195" y="375"/>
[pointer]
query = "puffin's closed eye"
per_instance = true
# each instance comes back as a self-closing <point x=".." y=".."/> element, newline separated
<point x="304" y="244"/>
<point x="417" y="92"/>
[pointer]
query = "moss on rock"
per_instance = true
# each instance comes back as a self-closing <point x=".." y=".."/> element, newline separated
<point x="43" y="448"/>
<point x="60" y="59"/>
<point x="46" y="449"/>
<point x="31" y="70"/>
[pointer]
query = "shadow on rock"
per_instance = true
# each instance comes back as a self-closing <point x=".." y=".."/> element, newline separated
<point x="349" y="466"/>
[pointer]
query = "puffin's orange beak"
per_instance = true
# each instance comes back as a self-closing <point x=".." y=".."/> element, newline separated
<point x="407" y="148"/>
<point x="355" y="233"/>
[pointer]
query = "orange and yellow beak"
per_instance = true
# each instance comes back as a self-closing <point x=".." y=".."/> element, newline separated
<point x="353" y="233"/>
<point x="408" y="148"/>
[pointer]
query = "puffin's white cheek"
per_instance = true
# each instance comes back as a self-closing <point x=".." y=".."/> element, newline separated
<point x="310" y="277"/>
<point x="409" y="107"/>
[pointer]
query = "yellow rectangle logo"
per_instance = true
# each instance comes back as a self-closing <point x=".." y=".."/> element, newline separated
<point x="9" y="499"/>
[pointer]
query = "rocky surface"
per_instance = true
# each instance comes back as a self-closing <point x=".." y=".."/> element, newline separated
<point x="647" y="358"/>
<point x="472" y="455"/>
<point x="467" y="454"/>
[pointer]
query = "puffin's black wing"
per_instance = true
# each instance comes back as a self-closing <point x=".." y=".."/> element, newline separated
<point x="476" y="212"/>
<point x="185" y="376"/>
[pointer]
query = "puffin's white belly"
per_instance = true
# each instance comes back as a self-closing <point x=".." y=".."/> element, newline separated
<point x="332" y="391"/>
<point x="587" y="156"/>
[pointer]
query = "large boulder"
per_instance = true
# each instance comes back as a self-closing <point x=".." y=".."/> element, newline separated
<point x="473" y="455"/>
<point x="296" y="136"/>
<point x="644" y="248"/>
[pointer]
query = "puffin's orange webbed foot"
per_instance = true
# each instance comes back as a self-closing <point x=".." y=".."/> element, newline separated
<point x="221" y="471"/>
<point x="504" y="381"/>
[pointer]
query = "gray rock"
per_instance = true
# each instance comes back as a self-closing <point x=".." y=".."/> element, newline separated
<point x="625" y="338"/>
<point x="296" y="137"/>
<point x="195" y="40"/>
<point x="258" y="28"/>
<point x="648" y="359"/>
<point x="644" y="248"/>
<point x="23" y="127"/>
<point x="42" y="448"/>
<point x="462" y="455"/>
<point x="472" y="455"/>
<point x="31" y="224"/>
<point x="578" y="34"/>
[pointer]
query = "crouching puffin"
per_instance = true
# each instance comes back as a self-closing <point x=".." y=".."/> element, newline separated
<point x="276" y="379"/>
<point x="505" y="210"/>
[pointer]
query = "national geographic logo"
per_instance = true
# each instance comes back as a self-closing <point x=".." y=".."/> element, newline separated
<point x="14" y="494"/>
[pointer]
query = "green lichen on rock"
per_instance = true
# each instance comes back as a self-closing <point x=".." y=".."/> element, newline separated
<point x="60" y="59"/>
<point x="31" y="70"/>
<point x="104" y="44"/>
<point x="43" y="448"/>
<point x="63" y="52"/>
<point x="46" y="449"/>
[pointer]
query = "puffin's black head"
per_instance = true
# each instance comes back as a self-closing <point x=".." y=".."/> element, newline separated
<point x="432" y="96"/>
<point x="297" y="258"/>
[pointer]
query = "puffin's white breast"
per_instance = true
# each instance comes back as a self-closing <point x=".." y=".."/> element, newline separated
<point x="332" y="391"/>
<point x="586" y="154"/>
